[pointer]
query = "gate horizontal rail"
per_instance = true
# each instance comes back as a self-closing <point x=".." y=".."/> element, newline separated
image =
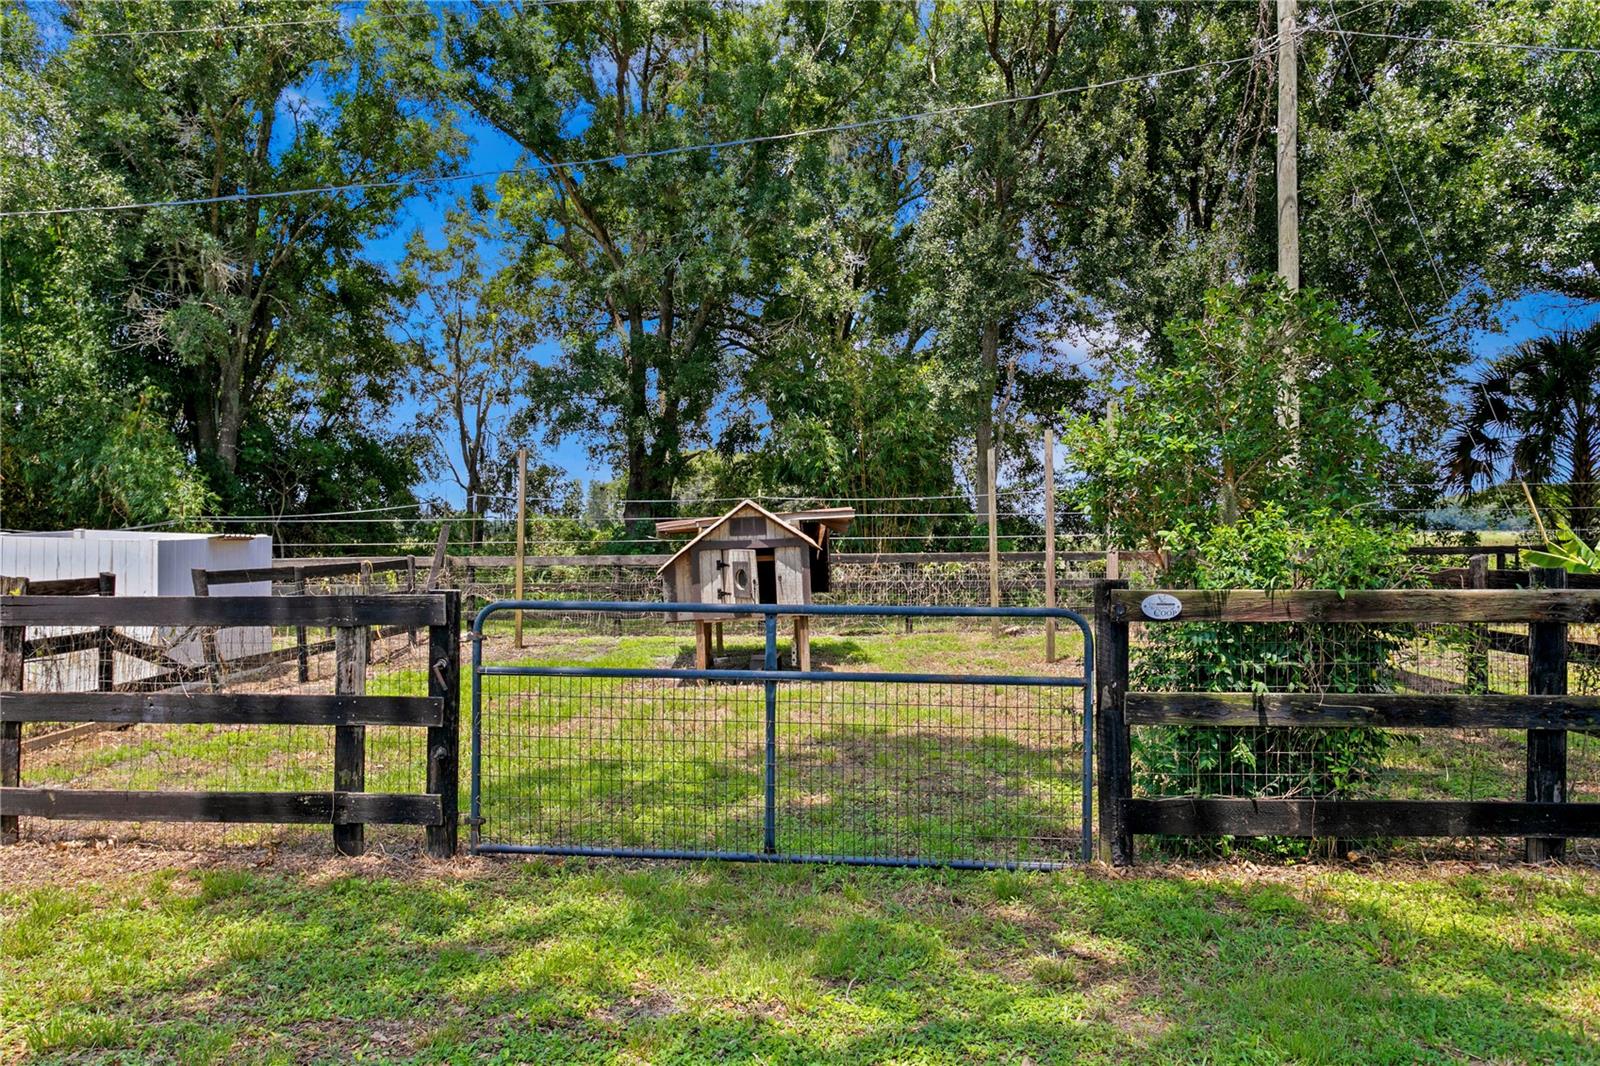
<point x="770" y="677"/>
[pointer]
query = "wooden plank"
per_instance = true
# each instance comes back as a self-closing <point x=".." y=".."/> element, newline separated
<point x="66" y="586"/>
<point x="312" y="568"/>
<point x="508" y="562"/>
<point x="13" y="639"/>
<point x="1360" y="818"/>
<point x="789" y="568"/>
<point x="444" y="740"/>
<point x="350" y="741"/>
<point x="1547" y="748"/>
<point x="284" y="611"/>
<point x="252" y="708"/>
<point x="1372" y="605"/>
<point x="1341" y="710"/>
<point x="62" y="644"/>
<point x="277" y="807"/>
<point x="45" y="741"/>
<point x="436" y="566"/>
<point x="1416" y="682"/>
<point x="1113" y="742"/>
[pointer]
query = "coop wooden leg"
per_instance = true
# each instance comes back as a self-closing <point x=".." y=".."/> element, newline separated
<point x="719" y="638"/>
<point x="702" y="645"/>
<point x="802" y="641"/>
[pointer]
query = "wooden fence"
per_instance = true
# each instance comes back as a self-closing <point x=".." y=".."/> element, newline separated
<point x="346" y="805"/>
<point x="1546" y="712"/>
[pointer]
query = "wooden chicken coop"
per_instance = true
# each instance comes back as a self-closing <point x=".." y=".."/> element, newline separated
<point x="750" y="555"/>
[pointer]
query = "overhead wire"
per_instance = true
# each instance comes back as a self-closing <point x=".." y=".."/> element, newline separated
<point x="543" y="166"/>
<point x="1383" y="140"/>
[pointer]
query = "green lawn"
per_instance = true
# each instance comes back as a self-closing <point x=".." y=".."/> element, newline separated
<point x="314" y="959"/>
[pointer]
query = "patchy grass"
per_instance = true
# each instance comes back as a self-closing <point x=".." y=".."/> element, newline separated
<point x="474" y="961"/>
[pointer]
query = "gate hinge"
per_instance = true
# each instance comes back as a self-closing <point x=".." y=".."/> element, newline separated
<point x="469" y="820"/>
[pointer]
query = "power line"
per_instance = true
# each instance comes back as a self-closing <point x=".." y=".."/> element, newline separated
<point x="627" y="157"/>
<point x="1383" y="139"/>
<point x="1521" y="46"/>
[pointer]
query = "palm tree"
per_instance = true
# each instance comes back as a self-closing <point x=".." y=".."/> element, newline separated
<point x="1535" y="415"/>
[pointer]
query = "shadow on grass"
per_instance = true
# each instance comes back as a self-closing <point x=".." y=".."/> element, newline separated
<point x="687" y="963"/>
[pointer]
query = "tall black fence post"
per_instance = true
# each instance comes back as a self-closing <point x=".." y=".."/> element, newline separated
<point x="106" y="663"/>
<point x="444" y="740"/>
<point x="13" y="649"/>
<point x="350" y="741"/>
<point x="1114" y="766"/>
<point x="1547" y="748"/>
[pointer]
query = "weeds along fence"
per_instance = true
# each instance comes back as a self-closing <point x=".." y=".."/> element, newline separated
<point x="219" y="710"/>
<point x="1459" y="714"/>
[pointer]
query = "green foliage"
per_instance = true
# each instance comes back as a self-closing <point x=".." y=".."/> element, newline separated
<point x="1199" y="438"/>
<point x="1534" y="413"/>
<point x="1566" y="552"/>
<point x="1266" y="549"/>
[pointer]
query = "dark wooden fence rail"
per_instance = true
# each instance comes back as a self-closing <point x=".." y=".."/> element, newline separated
<point x="1546" y="712"/>
<point x="345" y="805"/>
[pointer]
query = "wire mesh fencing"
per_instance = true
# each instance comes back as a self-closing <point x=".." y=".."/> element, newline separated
<point x="952" y="747"/>
<point x="178" y="664"/>
<point x="1465" y="763"/>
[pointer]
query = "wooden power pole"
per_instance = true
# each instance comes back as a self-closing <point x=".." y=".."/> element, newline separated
<point x="1289" y="200"/>
<point x="1049" y="541"/>
<point x="522" y="526"/>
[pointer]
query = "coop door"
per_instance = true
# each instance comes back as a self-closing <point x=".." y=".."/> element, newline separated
<point x="739" y="576"/>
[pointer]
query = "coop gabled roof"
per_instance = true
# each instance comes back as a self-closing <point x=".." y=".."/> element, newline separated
<point x="836" y="519"/>
<point x="743" y="505"/>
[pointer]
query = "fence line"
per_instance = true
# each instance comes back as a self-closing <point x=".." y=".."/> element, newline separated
<point x="349" y="711"/>
<point x="1545" y="817"/>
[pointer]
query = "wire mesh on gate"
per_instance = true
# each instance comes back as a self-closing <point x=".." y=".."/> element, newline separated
<point x="604" y="740"/>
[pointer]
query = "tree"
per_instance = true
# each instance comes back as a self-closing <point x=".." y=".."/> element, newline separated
<point x="991" y="171"/>
<point x="238" y="308"/>
<point x="1198" y="443"/>
<point x="471" y="337"/>
<point x="1534" y="414"/>
<point x="80" y="445"/>
<point x="648" y="264"/>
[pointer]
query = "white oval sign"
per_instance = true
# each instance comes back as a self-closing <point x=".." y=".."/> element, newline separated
<point x="1161" y="606"/>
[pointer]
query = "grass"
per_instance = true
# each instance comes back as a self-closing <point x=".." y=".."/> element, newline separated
<point x="603" y="962"/>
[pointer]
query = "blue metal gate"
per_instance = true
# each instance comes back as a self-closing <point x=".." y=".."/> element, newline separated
<point x="580" y="752"/>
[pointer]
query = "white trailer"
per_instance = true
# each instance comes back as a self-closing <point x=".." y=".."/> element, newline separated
<point x="145" y="564"/>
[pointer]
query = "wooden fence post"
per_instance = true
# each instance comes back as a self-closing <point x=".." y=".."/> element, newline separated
<point x="350" y="741"/>
<point x="302" y="657"/>
<point x="1547" y="748"/>
<point x="1114" y="772"/>
<point x="444" y="740"/>
<point x="210" y="655"/>
<point x="411" y="587"/>
<point x="1477" y="679"/>
<point x="107" y="663"/>
<point x="12" y="646"/>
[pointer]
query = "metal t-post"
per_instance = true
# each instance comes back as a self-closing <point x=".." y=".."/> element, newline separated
<point x="770" y="816"/>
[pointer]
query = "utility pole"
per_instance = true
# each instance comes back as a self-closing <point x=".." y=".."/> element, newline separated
<point x="522" y="527"/>
<point x="1289" y="202"/>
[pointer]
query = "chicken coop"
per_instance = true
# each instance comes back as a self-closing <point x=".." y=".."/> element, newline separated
<point x="750" y="555"/>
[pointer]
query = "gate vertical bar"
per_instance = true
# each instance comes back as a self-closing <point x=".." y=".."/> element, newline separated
<point x="475" y="816"/>
<point x="770" y="812"/>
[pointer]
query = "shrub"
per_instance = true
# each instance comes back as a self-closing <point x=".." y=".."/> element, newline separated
<point x="1264" y="549"/>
